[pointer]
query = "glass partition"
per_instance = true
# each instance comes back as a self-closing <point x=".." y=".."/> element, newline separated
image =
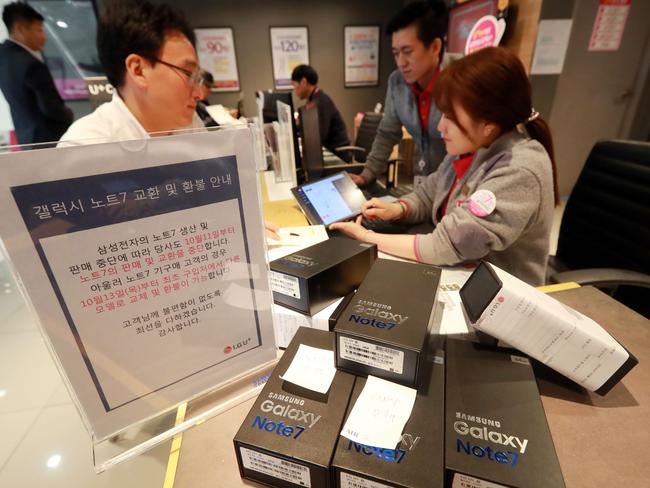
<point x="143" y="263"/>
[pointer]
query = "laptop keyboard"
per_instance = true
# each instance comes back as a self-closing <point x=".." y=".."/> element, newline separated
<point x="384" y="226"/>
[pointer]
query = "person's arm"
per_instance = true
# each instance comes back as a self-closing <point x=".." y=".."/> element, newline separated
<point x="389" y="133"/>
<point x="400" y="245"/>
<point x="272" y="230"/>
<point x="39" y="80"/>
<point x="462" y="236"/>
<point x="419" y="203"/>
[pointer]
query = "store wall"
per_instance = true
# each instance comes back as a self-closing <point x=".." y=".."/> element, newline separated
<point x="599" y="93"/>
<point x="544" y="86"/>
<point x="251" y="19"/>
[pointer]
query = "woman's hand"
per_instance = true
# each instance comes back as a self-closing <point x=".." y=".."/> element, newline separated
<point x="352" y="229"/>
<point x="379" y="209"/>
<point x="272" y="230"/>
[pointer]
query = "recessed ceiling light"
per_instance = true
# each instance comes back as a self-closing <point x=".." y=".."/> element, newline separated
<point x="3" y="392"/>
<point x="54" y="461"/>
<point x="62" y="24"/>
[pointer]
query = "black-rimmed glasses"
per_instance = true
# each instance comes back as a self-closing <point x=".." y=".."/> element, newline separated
<point x="194" y="77"/>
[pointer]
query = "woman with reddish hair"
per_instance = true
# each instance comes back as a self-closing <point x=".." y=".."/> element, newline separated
<point x="492" y="197"/>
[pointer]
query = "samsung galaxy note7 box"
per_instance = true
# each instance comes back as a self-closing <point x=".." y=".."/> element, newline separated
<point x="496" y="429"/>
<point x="504" y="307"/>
<point x="418" y="460"/>
<point x="384" y="329"/>
<point x="309" y="280"/>
<point x="336" y="313"/>
<point x="287" y="439"/>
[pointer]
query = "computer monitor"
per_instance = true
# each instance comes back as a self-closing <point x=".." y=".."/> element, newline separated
<point x="462" y="18"/>
<point x="312" y="151"/>
<point x="313" y="163"/>
<point x="270" y="110"/>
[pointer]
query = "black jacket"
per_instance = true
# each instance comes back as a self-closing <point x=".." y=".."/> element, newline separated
<point x="333" y="132"/>
<point x="37" y="110"/>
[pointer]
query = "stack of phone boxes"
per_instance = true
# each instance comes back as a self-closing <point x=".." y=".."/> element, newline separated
<point x="418" y="460"/>
<point x="288" y="437"/>
<point x="477" y="417"/>
<point x="309" y="280"/>
<point x="383" y="330"/>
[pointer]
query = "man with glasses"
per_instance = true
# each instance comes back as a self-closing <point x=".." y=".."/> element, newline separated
<point x="147" y="52"/>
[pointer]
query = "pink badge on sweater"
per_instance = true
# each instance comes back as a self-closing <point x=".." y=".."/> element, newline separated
<point x="482" y="203"/>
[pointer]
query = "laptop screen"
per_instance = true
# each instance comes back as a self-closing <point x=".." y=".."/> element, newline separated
<point x="331" y="199"/>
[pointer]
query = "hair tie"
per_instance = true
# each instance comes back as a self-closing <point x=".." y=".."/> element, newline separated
<point x="533" y="115"/>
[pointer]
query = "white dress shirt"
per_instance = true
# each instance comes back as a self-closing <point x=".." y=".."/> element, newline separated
<point x="112" y="121"/>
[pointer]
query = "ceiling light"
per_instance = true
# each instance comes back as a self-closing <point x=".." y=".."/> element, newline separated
<point x="54" y="461"/>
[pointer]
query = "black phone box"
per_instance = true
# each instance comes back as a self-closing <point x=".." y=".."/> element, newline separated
<point x="418" y="460"/>
<point x="384" y="329"/>
<point x="288" y="438"/>
<point x="309" y="280"/>
<point x="495" y="426"/>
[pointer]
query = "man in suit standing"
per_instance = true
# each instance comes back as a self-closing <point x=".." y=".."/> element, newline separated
<point x="37" y="110"/>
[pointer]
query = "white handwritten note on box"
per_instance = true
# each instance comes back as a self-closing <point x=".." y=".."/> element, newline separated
<point x="379" y="414"/>
<point x="311" y="368"/>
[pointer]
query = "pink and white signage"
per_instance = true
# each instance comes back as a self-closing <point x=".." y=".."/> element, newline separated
<point x="487" y="32"/>
<point x="609" y="25"/>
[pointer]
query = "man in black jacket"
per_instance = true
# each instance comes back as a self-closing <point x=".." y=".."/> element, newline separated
<point x="37" y="110"/>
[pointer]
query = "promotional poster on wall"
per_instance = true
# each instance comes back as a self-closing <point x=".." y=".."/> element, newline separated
<point x="289" y="48"/>
<point x="216" y="51"/>
<point x="361" y="55"/>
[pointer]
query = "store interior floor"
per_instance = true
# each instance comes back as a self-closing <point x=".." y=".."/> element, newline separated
<point x="44" y="442"/>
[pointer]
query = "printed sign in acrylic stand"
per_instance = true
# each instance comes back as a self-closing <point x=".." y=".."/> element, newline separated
<point x="143" y="262"/>
<point x="286" y="152"/>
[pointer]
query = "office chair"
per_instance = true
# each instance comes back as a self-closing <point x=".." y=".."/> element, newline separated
<point x="365" y="137"/>
<point x="604" y="236"/>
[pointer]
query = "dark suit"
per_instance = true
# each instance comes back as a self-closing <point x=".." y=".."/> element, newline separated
<point x="37" y="109"/>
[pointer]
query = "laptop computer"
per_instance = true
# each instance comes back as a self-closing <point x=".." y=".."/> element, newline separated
<point x="337" y="198"/>
<point x="331" y="199"/>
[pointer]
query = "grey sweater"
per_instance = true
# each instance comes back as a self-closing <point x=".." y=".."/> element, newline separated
<point x="515" y="236"/>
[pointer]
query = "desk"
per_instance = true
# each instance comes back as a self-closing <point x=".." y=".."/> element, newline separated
<point x="285" y="213"/>
<point x="600" y="441"/>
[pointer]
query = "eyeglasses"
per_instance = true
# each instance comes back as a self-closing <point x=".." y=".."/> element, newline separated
<point x="194" y="77"/>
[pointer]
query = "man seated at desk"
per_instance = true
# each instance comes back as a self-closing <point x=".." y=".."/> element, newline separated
<point x="147" y="52"/>
<point x="333" y="132"/>
<point x="417" y="32"/>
